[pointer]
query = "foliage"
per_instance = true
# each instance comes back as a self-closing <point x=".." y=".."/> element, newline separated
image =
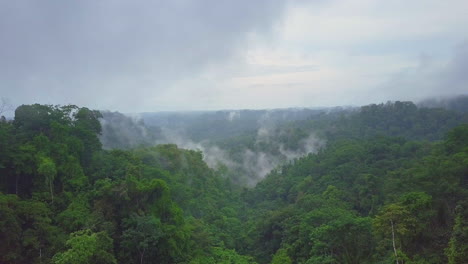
<point x="87" y="247"/>
<point x="457" y="250"/>
<point x="281" y="257"/>
<point x="387" y="186"/>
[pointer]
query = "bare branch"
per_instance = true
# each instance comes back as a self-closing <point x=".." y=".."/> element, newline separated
<point x="5" y="105"/>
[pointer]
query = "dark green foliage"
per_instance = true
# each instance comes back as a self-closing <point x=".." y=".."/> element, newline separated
<point x="400" y="119"/>
<point x="386" y="187"/>
<point x="322" y="206"/>
<point x="219" y="255"/>
<point x="142" y="240"/>
<point x="26" y="231"/>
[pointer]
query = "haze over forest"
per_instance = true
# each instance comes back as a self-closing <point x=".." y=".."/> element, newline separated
<point x="234" y="132"/>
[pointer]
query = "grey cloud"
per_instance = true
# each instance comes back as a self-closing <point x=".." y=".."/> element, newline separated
<point x="431" y="78"/>
<point x="455" y="74"/>
<point x="262" y="70"/>
<point x="74" y="51"/>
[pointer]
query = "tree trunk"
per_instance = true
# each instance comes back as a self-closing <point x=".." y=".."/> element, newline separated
<point x="16" y="184"/>
<point x="141" y="256"/>
<point x="51" y="191"/>
<point x="393" y="241"/>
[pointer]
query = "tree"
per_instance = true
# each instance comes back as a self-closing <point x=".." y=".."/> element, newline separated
<point x="457" y="139"/>
<point x="141" y="238"/>
<point x="87" y="247"/>
<point x="336" y="233"/>
<point x="281" y="257"/>
<point x="34" y="119"/>
<point x="49" y="171"/>
<point x="86" y="127"/>
<point x="221" y="255"/>
<point x="395" y="222"/>
<point x="457" y="250"/>
<point x="77" y="215"/>
<point x="5" y="105"/>
<point x="26" y="231"/>
<point x="10" y="229"/>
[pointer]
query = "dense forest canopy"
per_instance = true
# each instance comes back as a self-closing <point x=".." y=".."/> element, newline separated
<point x="383" y="183"/>
<point x="251" y="143"/>
<point x="233" y="132"/>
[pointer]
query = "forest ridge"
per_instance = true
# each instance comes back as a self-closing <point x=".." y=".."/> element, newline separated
<point x="388" y="185"/>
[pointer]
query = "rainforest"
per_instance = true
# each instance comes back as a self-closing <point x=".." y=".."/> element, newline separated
<point x="381" y="183"/>
<point x="234" y="132"/>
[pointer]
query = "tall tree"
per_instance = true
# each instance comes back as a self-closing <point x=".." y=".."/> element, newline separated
<point x="457" y="251"/>
<point x="141" y="239"/>
<point x="48" y="169"/>
<point x="87" y="247"/>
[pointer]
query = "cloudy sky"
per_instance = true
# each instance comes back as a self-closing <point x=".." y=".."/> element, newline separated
<point x="135" y="56"/>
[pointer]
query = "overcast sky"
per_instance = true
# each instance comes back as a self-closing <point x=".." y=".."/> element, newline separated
<point x="134" y="56"/>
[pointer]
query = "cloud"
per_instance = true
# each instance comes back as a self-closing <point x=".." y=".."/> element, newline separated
<point x="354" y="24"/>
<point x="431" y="77"/>
<point x="119" y="54"/>
<point x="135" y="56"/>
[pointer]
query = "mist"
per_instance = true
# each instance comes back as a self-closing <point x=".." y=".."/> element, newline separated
<point x="247" y="162"/>
<point x="252" y="164"/>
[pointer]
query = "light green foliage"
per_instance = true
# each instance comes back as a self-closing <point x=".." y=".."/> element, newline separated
<point x="87" y="247"/>
<point x="73" y="174"/>
<point x="219" y="255"/>
<point x="281" y="257"/>
<point x="76" y="216"/>
<point x="457" y="250"/>
<point x="419" y="205"/>
<point x="47" y="169"/>
<point x="404" y="222"/>
<point x="400" y="217"/>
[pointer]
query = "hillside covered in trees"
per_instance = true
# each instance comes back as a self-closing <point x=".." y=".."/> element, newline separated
<point x="384" y="183"/>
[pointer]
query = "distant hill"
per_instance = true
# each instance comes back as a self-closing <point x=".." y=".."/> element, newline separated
<point x="457" y="103"/>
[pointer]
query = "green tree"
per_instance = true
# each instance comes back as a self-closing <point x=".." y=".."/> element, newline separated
<point x="281" y="257"/>
<point x="346" y="238"/>
<point x="87" y="247"/>
<point x="48" y="169"/>
<point x="395" y="223"/>
<point x="26" y="231"/>
<point x="76" y="216"/>
<point x="141" y="239"/>
<point x="457" y="250"/>
<point x="221" y="255"/>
